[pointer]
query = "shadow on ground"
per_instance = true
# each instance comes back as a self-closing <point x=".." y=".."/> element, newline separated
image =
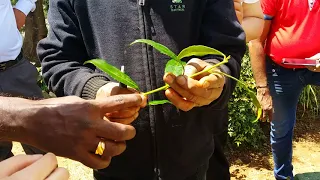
<point x="308" y="176"/>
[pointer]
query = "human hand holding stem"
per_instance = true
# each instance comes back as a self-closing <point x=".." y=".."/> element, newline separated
<point x="165" y="87"/>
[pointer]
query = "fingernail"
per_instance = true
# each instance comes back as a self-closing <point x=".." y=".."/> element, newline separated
<point x="206" y="84"/>
<point x="169" y="79"/>
<point x="181" y="80"/>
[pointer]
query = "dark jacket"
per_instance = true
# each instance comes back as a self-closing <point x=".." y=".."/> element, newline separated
<point x="169" y="143"/>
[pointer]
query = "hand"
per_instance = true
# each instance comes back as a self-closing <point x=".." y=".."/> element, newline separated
<point x="20" y="18"/>
<point x="125" y="115"/>
<point x="239" y="10"/>
<point x="187" y="93"/>
<point x="72" y="127"/>
<point x="317" y="67"/>
<point x="32" y="167"/>
<point x="265" y="100"/>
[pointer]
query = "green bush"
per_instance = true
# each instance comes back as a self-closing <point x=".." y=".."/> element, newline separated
<point x="242" y="129"/>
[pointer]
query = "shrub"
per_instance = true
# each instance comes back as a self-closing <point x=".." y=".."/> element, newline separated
<point x="242" y="129"/>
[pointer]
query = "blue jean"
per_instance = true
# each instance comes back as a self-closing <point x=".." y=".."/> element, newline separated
<point x="285" y="86"/>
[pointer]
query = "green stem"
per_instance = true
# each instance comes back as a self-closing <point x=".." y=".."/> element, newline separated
<point x="165" y="87"/>
<point x="225" y="60"/>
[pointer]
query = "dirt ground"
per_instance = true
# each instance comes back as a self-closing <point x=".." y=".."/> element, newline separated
<point x="248" y="164"/>
<point x="258" y="164"/>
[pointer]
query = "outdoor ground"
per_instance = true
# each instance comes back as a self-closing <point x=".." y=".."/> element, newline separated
<point x="247" y="164"/>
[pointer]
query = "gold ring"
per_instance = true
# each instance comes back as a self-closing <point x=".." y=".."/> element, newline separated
<point x="100" y="148"/>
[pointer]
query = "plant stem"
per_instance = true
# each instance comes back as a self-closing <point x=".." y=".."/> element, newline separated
<point x="225" y="60"/>
<point x="165" y="87"/>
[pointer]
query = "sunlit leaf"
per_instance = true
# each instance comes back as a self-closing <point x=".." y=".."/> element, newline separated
<point x="175" y="67"/>
<point x="114" y="72"/>
<point x="159" y="102"/>
<point x="161" y="48"/>
<point x="198" y="50"/>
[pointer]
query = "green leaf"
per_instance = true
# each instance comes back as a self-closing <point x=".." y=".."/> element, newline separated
<point x="175" y="67"/>
<point x="114" y="72"/>
<point x="252" y="95"/>
<point x="198" y="50"/>
<point x="158" y="102"/>
<point x="161" y="48"/>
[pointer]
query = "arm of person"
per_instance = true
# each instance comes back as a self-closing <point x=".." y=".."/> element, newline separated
<point x="73" y="125"/>
<point x="22" y="9"/>
<point x="258" y="64"/>
<point x="62" y="54"/>
<point x="252" y="20"/>
<point x="221" y="30"/>
<point x="239" y="10"/>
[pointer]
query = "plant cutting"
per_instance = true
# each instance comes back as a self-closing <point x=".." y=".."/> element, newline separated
<point x="175" y="66"/>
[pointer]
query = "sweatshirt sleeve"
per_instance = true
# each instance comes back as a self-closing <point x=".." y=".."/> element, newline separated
<point x="63" y="53"/>
<point x="222" y="31"/>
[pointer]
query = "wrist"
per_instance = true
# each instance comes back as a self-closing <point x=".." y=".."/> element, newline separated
<point x="262" y="86"/>
<point x="263" y="91"/>
<point x="14" y="115"/>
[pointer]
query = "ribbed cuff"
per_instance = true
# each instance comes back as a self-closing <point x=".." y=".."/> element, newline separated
<point x="92" y="86"/>
<point x="25" y="6"/>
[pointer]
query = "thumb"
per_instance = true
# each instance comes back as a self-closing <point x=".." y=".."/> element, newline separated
<point x="119" y="102"/>
<point x="193" y="66"/>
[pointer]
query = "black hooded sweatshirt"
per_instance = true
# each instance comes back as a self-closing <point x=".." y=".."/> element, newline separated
<point x="170" y="144"/>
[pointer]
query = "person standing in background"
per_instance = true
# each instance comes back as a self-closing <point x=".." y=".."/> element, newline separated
<point x="18" y="76"/>
<point x="290" y="30"/>
<point x="249" y="14"/>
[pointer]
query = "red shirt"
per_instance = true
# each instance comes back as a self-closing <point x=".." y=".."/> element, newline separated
<point x="295" y="29"/>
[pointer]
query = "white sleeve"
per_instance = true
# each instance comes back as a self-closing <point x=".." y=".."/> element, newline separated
<point x="250" y="1"/>
<point x="26" y="6"/>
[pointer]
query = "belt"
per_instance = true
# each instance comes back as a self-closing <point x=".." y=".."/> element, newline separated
<point x="5" y="65"/>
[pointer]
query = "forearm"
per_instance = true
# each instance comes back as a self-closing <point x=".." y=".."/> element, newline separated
<point x="252" y="27"/>
<point x="13" y="113"/>
<point x="258" y="62"/>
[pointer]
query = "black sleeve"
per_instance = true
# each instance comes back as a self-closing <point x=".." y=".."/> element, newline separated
<point x="63" y="53"/>
<point x="221" y="30"/>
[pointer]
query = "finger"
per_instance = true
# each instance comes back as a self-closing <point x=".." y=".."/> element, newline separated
<point x="16" y="163"/>
<point x="125" y="113"/>
<point x="40" y="169"/>
<point x="113" y="148"/>
<point x="59" y="174"/>
<point x="127" y="121"/>
<point x="194" y="65"/>
<point x="114" y="131"/>
<point x="178" y="101"/>
<point x="111" y="89"/>
<point x="144" y="101"/>
<point x="95" y="161"/>
<point x="119" y="102"/>
<point x="187" y="87"/>
<point x="212" y="81"/>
